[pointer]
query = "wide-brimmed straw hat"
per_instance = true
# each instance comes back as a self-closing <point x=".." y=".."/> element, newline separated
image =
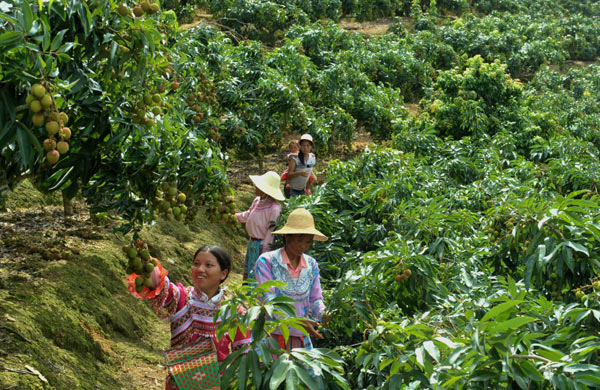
<point x="301" y="221"/>
<point x="269" y="183"/>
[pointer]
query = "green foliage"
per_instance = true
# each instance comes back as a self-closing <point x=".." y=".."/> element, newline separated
<point x="265" y="364"/>
<point x="479" y="100"/>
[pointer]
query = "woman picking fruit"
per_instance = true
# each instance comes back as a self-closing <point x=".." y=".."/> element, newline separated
<point x="300" y="271"/>
<point x="195" y="353"/>
<point x="264" y="211"/>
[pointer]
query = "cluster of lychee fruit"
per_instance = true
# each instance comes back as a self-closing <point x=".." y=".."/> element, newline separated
<point x="552" y="285"/>
<point x="45" y="114"/>
<point x="403" y="275"/>
<point x="170" y="202"/>
<point x="140" y="263"/>
<point x="583" y="297"/>
<point x="148" y="103"/>
<point x="145" y="7"/>
<point x="222" y="210"/>
<point x="195" y="106"/>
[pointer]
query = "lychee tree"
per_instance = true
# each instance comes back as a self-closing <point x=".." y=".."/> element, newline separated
<point x="88" y="93"/>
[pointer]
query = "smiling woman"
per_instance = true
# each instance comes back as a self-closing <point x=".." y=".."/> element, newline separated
<point x="195" y="351"/>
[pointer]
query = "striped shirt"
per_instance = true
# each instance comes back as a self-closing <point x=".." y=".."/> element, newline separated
<point x="191" y="317"/>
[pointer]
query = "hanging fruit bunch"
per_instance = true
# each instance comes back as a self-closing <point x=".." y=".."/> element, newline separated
<point x="221" y="209"/>
<point x="589" y="294"/>
<point x="403" y="274"/>
<point x="145" y="7"/>
<point x="140" y="264"/>
<point x="202" y="101"/>
<point x="45" y="113"/>
<point x="147" y="108"/>
<point x="170" y="202"/>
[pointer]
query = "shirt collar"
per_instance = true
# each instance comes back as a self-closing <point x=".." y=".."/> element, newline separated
<point x="202" y="297"/>
<point x="286" y="260"/>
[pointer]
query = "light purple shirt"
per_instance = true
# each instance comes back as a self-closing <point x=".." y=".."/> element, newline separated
<point x="305" y="289"/>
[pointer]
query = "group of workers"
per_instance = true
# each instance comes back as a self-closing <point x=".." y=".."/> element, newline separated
<point x="195" y="353"/>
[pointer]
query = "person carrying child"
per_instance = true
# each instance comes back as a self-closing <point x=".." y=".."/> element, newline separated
<point x="299" y="175"/>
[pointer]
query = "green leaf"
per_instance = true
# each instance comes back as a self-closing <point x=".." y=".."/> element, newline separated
<point x="451" y="344"/>
<point x="10" y="39"/>
<point x="8" y="18"/>
<point x="285" y="331"/>
<point x="46" y="36"/>
<point x="420" y="356"/>
<point x="531" y="370"/>
<point x="23" y="140"/>
<point x="255" y="367"/>
<point x="243" y="372"/>
<point x="448" y="383"/>
<point x="6" y="133"/>
<point x="279" y="373"/>
<point x="291" y="380"/>
<point x="85" y="17"/>
<point x="513" y="323"/>
<point x="57" y="41"/>
<point x="548" y="352"/>
<point x="27" y="16"/>
<point x="432" y="350"/>
<point x="499" y="309"/>
<point x="578" y="247"/>
<point x="258" y="329"/>
<point x="588" y="379"/>
<point x="572" y="368"/>
<point x="531" y="261"/>
<point x="305" y="377"/>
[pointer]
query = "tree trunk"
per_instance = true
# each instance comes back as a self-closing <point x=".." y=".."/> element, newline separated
<point x="67" y="204"/>
<point x="68" y="194"/>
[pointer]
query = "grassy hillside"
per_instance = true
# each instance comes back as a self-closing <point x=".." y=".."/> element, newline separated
<point x="65" y="308"/>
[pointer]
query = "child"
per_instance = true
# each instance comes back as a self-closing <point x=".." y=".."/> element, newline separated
<point x="294" y="147"/>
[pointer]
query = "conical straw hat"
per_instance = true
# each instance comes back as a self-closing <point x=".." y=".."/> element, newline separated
<point x="269" y="183"/>
<point x="301" y="221"/>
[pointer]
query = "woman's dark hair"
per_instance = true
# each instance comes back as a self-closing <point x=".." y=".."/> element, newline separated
<point x="301" y="155"/>
<point x="222" y="256"/>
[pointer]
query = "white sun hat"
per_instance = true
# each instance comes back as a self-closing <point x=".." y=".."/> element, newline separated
<point x="306" y="137"/>
<point x="269" y="183"/>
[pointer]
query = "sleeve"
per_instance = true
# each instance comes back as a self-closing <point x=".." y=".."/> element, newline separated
<point x="243" y="216"/>
<point x="317" y="307"/>
<point x="170" y="299"/>
<point x="268" y="240"/>
<point x="264" y="272"/>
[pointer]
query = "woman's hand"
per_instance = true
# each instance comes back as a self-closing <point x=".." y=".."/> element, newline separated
<point x="304" y="173"/>
<point x="310" y="327"/>
<point x="155" y="278"/>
